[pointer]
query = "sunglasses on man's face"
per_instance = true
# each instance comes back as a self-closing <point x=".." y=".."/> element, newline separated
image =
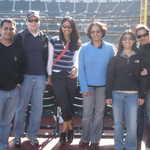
<point x="142" y="35"/>
<point x="33" y="20"/>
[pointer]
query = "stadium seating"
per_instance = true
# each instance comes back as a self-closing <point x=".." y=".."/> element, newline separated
<point x="119" y="16"/>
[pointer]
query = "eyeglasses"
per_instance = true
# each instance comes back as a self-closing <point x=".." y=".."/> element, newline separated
<point x="33" y="20"/>
<point x="96" y="31"/>
<point x="143" y="35"/>
<point x="69" y="27"/>
<point x="127" y="38"/>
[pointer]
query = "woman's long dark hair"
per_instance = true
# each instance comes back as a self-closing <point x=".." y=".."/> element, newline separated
<point x="74" y="38"/>
<point x="120" y="46"/>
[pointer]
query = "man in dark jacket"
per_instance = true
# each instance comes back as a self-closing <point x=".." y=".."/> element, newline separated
<point x="11" y="66"/>
<point x="35" y="49"/>
<point x="143" y="37"/>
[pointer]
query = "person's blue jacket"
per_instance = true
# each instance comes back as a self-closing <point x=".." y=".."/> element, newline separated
<point x="93" y="65"/>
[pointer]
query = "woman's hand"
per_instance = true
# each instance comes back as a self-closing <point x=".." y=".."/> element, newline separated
<point x="73" y="73"/>
<point x="109" y="101"/>
<point x="18" y="85"/>
<point x="144" y="72"/>
<point x="140" y="101"/>
<point x="87" y="93"/>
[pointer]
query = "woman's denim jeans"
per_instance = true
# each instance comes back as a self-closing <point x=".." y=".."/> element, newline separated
<point x="125" y="115"/>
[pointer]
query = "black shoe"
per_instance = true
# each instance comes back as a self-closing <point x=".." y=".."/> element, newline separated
<point x="70" y="136"/>
<point x="83" y="144"/>
<point x="17" y="142"/>
<point x="62" y="139"/>
<point x="94" y="146"/>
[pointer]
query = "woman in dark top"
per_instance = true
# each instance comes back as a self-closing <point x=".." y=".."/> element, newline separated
<point x="64" y="73"/>
<point x="124" y="91"/>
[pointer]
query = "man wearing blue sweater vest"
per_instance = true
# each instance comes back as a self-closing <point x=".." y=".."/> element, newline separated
<point x="36" y="47"/>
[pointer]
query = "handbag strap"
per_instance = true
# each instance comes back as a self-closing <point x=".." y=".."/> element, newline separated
<point x="61" y="54"/>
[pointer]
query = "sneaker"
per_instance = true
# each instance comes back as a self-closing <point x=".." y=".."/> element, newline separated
<point x="83" y="144"/>
<point x="139" y="145"/>
<point x="17" y="142"/>
<point x="148" y="144"/>
<point x="94" y="146"/>
<point x="34" y="142"/>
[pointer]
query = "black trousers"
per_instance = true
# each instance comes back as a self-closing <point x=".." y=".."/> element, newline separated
<point x="64" y="90"/>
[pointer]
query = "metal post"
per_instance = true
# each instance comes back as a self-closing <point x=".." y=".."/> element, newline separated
<point x="143" y="11"/>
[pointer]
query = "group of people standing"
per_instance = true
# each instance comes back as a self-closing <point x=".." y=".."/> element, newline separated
<point x="106" y="75"/>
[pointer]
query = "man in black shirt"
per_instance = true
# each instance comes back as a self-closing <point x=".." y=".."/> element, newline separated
<point x="11" y="66"/>
<point x="143" y="37"/>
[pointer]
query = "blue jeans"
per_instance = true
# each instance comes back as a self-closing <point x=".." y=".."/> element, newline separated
<point x="8" y="103"/>
<point x="93" y="112"/>
<point x="140" y="122"/>
<point x="32" y="90"/>
<point x="125" y="112"/>
<point x="147" y="106"/>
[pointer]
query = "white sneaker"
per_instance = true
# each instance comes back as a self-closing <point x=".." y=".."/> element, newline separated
<point x="17" y="141"/>
<point x="34" y="141"/>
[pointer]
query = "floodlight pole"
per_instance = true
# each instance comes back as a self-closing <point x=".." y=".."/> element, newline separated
<point x="144" y="12"/>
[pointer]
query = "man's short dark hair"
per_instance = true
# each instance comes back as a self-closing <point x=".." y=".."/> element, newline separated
<point x="8" y="21"/>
